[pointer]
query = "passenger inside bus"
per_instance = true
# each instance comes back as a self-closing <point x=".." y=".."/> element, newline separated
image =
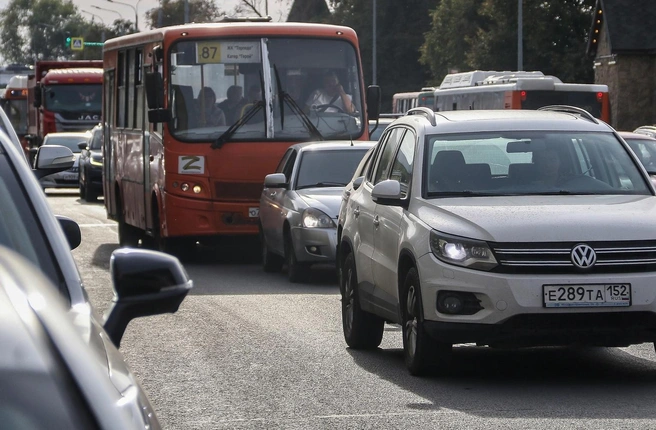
<point x="331" y="97"/>
<point x="209" y="114"/>
<point x="233" y="104"/>
<point x="254" y="95"/>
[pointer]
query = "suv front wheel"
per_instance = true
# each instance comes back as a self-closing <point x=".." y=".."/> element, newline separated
<point x="419" y="350"/>
<point x="362" y="330"/>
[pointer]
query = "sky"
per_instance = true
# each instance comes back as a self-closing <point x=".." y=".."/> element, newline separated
<point x="278" y="9"/>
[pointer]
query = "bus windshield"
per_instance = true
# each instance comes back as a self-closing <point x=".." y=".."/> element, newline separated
<point x="73" y="98"/>
<point x="279" y="88"/>
<point x="584" y="99"/>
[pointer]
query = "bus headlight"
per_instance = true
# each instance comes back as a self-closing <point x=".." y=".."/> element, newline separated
<point x="197" y="189"/>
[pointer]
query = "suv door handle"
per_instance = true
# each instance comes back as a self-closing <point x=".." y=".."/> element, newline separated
<point x="376" y="221"/>
<point x="356" y="212"/>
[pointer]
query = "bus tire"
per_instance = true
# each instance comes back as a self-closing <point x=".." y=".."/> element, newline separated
<point x="127" y="234"/>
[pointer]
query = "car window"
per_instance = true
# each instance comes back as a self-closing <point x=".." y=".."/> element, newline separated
<point x="387" y="155"/>
<point x="283" y="160"/>
<point x="364" y="163"/>
<point x="71" y="142"/>
<point x="96" y="140"/>
<point x="20" y="228"/>
<point x="402" y="167"/>
<point x="645" y="150"/>
<point x="531" y="162"/>
<point x="288" y="168"/>
<point x="328" y="168"/>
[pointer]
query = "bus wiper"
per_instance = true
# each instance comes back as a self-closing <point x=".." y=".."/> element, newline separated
<point x="225" y="137"/>
<point x="284" y="97"/>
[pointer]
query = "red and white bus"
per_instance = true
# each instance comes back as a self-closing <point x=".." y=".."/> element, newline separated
<point x="518" y="90"/>
<point x="175" y="172"/>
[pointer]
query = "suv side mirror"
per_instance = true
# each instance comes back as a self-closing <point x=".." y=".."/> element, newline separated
<point x="52" y="159"/>
<point x="145" y="283"/>
<point x="373" y="102"/>
<point x="82" y="145"/>
<point x="71" y="231"/>
<point x="388" y="193"/>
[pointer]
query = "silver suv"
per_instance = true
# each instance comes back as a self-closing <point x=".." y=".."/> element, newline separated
<point x="500" y="228"/>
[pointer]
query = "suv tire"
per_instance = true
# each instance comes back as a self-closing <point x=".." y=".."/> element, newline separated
<point x="419" y="350"/>
<point x="362" y="330"/>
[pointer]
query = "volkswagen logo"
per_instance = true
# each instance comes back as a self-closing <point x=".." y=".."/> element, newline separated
<point x="583" y="256"/>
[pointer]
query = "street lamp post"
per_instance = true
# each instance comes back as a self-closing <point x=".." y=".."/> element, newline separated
<point x="102" y="35"/>
<point x="134" y="8"/>
<point x="110" y="10"/>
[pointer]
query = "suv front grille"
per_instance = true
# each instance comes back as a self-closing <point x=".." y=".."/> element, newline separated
<point x="550" y="257"/>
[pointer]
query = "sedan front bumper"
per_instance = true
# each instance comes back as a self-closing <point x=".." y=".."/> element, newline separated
<point x="315" y="245"/>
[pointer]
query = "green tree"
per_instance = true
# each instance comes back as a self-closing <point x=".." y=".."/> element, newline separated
<point x="172" y="12"/>
<point x="308" y="11"/>
<point x="37" y="29"/>
<point x="482" y="34"/>
<point x="455" y="24"/>
<point x="400" y="27"/>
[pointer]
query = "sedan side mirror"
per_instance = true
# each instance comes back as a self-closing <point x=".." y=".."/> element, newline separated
<point x="357" y="182"/>
<point x="52" y="159"/>
<point x="275" y="180"/>
<point x="145" y="283"/>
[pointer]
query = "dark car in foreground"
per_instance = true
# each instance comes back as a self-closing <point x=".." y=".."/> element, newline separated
<point x="90" y="166"/>
<point x="64" y="370"/>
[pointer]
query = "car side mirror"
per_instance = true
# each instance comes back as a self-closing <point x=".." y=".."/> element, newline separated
<point x="357" y="182"/>
<point x="145" y="283"/>
<point x="71" y="231"/>
<point x="388" y="193"/>
<point x="82" y="145"/>
<point x="373" y="102"/>
<point x="275" y="180"/>
<point x="52" y="159"/>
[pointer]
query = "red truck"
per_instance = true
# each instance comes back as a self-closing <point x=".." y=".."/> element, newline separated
<point x="63" y="96"/>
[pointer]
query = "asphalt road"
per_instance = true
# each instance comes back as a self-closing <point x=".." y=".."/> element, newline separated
<point x="250" y="350"/>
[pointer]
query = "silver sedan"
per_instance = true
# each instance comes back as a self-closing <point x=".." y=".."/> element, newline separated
<point x="300" y="204"/>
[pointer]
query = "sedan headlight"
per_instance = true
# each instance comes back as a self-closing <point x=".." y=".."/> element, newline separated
<point x="314" y="218"/>
<point x="461" y="251"/>
<point x="96" y="161"/>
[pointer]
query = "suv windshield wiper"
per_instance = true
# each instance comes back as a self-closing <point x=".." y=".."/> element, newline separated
<point x="322" y="184"/>
<point x="225" y="137"/>
<point x="284" y="97"/>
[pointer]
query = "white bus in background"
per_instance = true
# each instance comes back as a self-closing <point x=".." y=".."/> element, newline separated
<point x="518" y="90"/>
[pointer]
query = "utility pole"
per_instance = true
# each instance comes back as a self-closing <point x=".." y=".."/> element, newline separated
<point x="520" y="47"/>
<point x="373" y="38"/>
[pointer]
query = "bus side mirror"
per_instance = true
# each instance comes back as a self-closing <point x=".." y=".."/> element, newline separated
<point x="373" y="102"/>
<point x="37" y="96"/>
<point x="155" y="98"/>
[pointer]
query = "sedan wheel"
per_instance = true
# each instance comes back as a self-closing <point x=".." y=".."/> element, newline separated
<point x="271" y="262"/>
<point x="296" y="271"/>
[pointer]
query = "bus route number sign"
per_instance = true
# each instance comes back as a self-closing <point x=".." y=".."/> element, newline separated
<point x="215" y="51"/>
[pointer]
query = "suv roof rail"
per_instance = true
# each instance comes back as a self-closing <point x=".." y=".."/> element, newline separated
<point x="428" y="113"/>
<point x="571" y="109"/>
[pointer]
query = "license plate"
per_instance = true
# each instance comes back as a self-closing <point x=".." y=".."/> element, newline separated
<point x="586" y="296"/>
<point x="69" y="177"/>
<point x="253" y="212"/>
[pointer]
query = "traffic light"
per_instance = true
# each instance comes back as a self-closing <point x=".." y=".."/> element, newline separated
<point x="68" y="42"/>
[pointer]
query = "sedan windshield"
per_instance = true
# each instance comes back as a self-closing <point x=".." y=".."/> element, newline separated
<point x="71" y="142"/>
<point x="218" y="82"/>
<point x="530" y="163"/>
<point x="333" y="168"/>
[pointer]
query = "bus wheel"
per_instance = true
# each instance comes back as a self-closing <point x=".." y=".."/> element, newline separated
<point x="182" y="248"/>
<point x="127" y="234"/>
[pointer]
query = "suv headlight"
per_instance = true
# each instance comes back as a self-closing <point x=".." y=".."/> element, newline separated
<point x="314" y="218"/>
<point x="461" y="251"/>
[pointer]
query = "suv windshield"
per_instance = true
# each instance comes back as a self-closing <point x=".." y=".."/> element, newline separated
<point x="216" y="82"/>
<point x="530" y="163"/>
